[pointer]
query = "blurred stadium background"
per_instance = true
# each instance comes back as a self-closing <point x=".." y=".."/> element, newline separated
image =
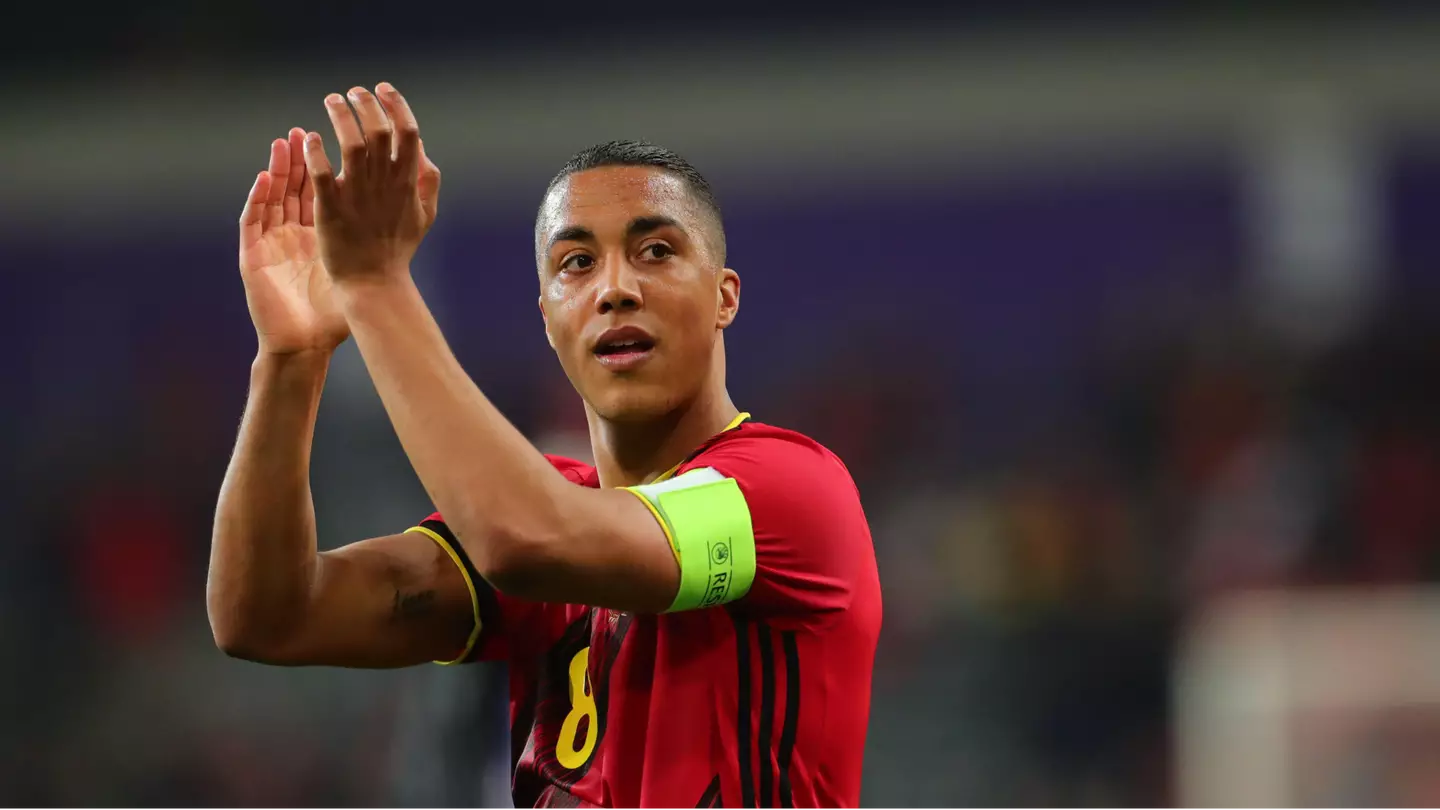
<point x="1126" y="322"/>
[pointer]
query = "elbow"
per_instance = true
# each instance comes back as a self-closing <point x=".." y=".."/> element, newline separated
<point x="238" y="646"/>
<point x="234" y="636"/>
<point x="240" y="636"/>
<point x="516" y="563"/>
<point x="246" y="646"/>
<point x="519" y="551"/>
<point x="260" y="620"/>
<point x="225" y="626"/>
<point x="517" y="545"/>
<point x="232" y="639"/>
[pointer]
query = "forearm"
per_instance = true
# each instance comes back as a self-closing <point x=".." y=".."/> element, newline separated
<point x="494" y="488"/>
<point x="263" y="549"/>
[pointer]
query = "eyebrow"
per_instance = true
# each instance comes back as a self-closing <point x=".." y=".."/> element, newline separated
<point x="644" y="225"/>
<point x="574" y="233"/>
<point x="637" y="227"/>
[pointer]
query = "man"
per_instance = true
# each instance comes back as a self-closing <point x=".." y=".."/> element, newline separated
<point x="691" y="621"/>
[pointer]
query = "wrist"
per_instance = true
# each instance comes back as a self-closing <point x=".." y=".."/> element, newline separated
<point x="302" y="362"/>
<point x="379" y="292"/>
<point x="379" y="281"/>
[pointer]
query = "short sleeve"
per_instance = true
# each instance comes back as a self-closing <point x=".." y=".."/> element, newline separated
<point x="501" y="623"/>
<point x="494" y="613"/>
<point x="812" y="542"/>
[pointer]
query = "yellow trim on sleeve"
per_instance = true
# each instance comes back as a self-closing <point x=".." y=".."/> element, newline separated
<point x="469" y="583"/>
<point x="659" y="518"/>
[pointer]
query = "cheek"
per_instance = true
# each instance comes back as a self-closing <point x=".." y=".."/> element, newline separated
<point x="689" y="296"/>
<point x="695" y="319"/>
<point x="562" y="317"/>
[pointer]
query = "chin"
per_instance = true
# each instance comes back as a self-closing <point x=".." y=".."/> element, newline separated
<point x="626" y="401"/>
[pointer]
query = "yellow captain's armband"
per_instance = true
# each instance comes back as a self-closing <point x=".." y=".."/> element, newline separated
<point x="706" y="519"/>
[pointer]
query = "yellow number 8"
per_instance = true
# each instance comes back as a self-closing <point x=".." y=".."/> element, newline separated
<point x="582" y="704"/>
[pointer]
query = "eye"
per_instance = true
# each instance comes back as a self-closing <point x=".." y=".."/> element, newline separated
<point x="657" y="251"/>
<point x="577" y="262"/>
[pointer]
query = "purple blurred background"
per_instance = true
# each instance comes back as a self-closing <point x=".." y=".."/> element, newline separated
<point x="1113" y="318"/>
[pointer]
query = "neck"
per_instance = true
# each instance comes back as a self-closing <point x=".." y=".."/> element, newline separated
<point x="631" y="453"/>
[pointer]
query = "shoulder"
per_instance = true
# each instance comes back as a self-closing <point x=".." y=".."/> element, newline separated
<point x="767" y="518"/>
<point x="813" y="553"/>
<point x="758" y="453"/>
<point x="787" y="478"/>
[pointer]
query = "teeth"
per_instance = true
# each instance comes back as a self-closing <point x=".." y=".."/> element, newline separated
<point x="619" y="346"/>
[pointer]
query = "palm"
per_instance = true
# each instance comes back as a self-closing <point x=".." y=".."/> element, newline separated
<point x="289" y="290"/>
<point x="286" y="285"/>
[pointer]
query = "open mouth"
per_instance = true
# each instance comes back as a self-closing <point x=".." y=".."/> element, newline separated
<point x="619" y="347"/>
<point x="624" y="348"/>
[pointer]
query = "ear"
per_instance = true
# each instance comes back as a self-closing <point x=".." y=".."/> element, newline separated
<point x="729" y="298"/>
<point x="540" y="300"/>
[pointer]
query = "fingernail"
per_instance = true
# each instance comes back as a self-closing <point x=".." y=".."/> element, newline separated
<point x="356" y="92"/>
<point x="333" y="99"/>
<point x="385" y="87"/>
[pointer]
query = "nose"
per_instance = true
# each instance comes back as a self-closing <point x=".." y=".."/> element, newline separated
<point x="619" y="288"/>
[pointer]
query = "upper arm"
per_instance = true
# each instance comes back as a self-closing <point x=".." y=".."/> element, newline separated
<point x="388" y="601"/>
<point x="406" y="599"/>
<point x="599" y="548"/>
<point x="773" y="524"/>
<point x="607" y="550"/>
<point x="499" y="626"/>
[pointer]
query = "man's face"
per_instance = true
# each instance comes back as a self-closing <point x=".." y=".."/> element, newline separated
<point x="632" y="294"/>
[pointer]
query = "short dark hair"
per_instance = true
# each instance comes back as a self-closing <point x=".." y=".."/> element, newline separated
<point x="641" y="153"/>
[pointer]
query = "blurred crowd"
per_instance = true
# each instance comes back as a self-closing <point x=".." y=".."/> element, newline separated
<point x="1034" y="586"/>
<point x="1201" y="463"/>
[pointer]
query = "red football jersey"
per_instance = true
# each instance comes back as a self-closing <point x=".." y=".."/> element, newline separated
<point x="762" y="702"/>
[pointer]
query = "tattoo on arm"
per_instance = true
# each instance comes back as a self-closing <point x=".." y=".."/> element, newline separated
<point x="412" y="605"/>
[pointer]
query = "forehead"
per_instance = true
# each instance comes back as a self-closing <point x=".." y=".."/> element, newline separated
<point x="612" y="196"/>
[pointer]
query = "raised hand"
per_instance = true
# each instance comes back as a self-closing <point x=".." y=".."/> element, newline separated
<point x="286" y="287"/>
<point x="371" y="217"/>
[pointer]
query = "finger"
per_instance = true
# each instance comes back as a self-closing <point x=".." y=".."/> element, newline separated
<point x="252" y="216"/>
<point x="296" y="181"/>
<point x="374" y="123"/>
<point x="317" y="164"/>
<point x="407" y="129"/>
<point x="347" y="134"/>
<point x="279" y="171"/>
<point x="307" y="192"/>
<point x="428" y="184"/>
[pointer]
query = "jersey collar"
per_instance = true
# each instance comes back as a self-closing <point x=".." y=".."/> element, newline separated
<point x="739" y="419"/>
